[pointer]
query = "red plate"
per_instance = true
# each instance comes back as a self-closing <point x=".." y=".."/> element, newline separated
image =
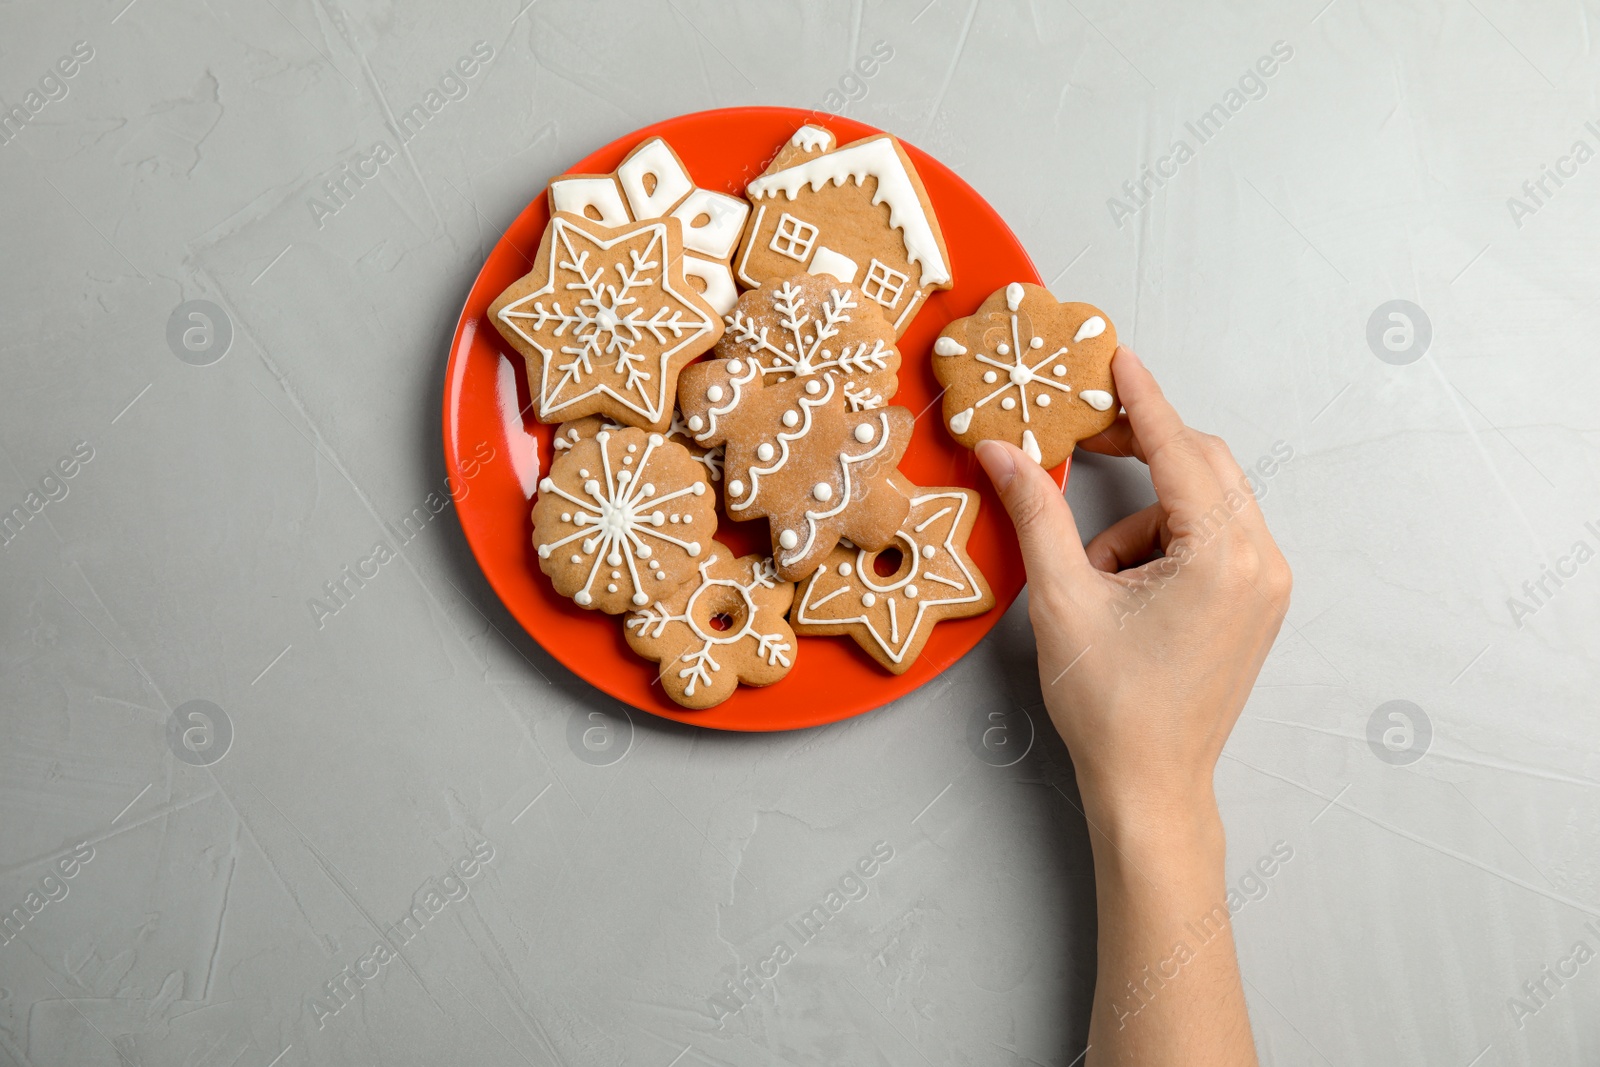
<point x="832" y="678"/>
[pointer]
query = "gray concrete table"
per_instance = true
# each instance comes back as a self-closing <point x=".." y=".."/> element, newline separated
<point x="1356" y="238"/>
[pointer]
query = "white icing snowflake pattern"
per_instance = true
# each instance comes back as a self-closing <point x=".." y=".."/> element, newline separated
<point x="801" y="352"/>
<point x="652" y="622"/>
<point x="623" y="508"/>
<point x="591" y="344"/>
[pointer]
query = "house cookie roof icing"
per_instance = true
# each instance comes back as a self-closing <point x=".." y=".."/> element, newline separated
<point x="875" y="156"/>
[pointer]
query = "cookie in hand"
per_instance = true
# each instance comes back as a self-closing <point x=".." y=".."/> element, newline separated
<point x="1028" y="369"/>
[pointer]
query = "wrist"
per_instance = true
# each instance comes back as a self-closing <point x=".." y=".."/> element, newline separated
<point x="1147" y="828"/>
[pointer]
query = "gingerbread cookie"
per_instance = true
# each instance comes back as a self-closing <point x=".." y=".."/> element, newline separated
<point x="799" y="457"/>
<point x="600" y="523"/>
<point x="721" y="630"/>
<point x="820" y="208"/>
<point x="814" y="324"/>
<point x="606" y="321"/>
<point x="653" y="183"/>
<point x="570" y="433"/>
<point x="889" y="601"/>
<point x="1030" y="370"/>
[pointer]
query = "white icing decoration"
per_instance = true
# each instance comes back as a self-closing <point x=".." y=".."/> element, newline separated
<point x="1043" y="400"/>
<point x="927" y="551"/>
<point x="1093" y="326"/>
<point x="652" y="622"/>
<point x="948" y="346"/>
<point x="614" y="521"/>
<point x="725" y="215"/>
<point x="813" y="387"/>
<point x="868" y="599"/>
<point x="608" y="318"/>
<point x="822" y="491"/>
<point x="575" y="195"/>
<point x="1037" y="342"/>
<point x="695" y="422"/>
<point x="1030" y="446"/>
<point x="791" y="418"/>
<point x="1098" y="399"/>
<point x="1008" y="403"/>
<point x="1004" y="349"/>
<point x="804" y="354"/>
<point x="864" y="433"/>
<point x="911" y="590"/>
<point x="1059" y="371"/>
<point x="764" y="452"/>
<point x="990" y="377"/>
<point x="960" y="421"/>
<point x="811" y="138"/>
<point x="735" y="367"/>
<point x="720" y="292"/>
<point x="1014" y="296"/>
<point x="855" y="162"/>
<point x="736" y="488"/>
<point x="826" y="261"/>
<point x="672" y="183"/>
<point x="714" y="394"/>
<point x="788" y="539"/>
<point x="844" y="569"/>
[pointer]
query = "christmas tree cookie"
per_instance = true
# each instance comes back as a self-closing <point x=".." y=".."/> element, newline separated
<point x="798" y="456"/>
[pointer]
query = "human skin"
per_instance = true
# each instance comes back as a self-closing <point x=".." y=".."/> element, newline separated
<point x="1150" y="639"/>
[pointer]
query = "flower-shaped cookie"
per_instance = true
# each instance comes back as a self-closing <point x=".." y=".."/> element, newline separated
<point x="889" y="601"/>
<point x="606" y="321"/>
<point x="602" y="519"/>
<point x="713" y="634"/>
<point x="1029" y="370"/>
<point x="816" y="324"/>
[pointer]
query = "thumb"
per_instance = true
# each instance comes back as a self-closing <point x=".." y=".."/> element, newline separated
<point x="1046" y="530"/>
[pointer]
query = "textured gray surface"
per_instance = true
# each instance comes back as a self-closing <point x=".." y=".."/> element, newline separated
<point x="370" y="756"/>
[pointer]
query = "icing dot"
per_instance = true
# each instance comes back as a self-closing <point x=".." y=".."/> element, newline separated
<point x="633" y="448"/>
<point x="675" y="518"/>
<point x="582" y="473"/>
<point x="656" y="519"/>
<point x="868" y="599"/>
<point x="694" y="423"/>
<point x="687" y="519"/>
<point x="582" y="598"/>
<point x="735" y="367"/>
<point x="736" y="487"/>
<point x="545" y="485"/>
<point x="640" y="599"/>
<point x="764" y="451"/>
<point x="649" y="489"/>
<point x="822" y="491"/>
<point x="655" y="439"/>
<point x="788" y="347"/>
<point x="865" y="432"/>
<point x="927" y="551"/>
<point x="1043" y="400"/>
<point x="566" y="516"/>
<point x="614" y="558"/>
<point x="603" y="436"/>
<point x="590" y="486"/>
<point x="544" y="551"/>
<point x="1037" y="342"/>
<point x="623" y="476"/>
<point x="694" y="548"/>
<point x="823" y="569"/>
<point x="611" y="587"/>
<point x="1008" y="403"/>
<point x="576" y="558"/>
<point x="791" y="418"/>
<point x="813" y="386"/>
<point x="699" y="488"/>
<point x="844" y="569"/>
<point x="990" y="377"/>
<point x="788" y="539"/>
<point x="627" y="459"/>
<point x="616" y="574"/>
<point x="911" y="591"/>
<point x="1059" y="371"/>
<point x="714" y="394"/>
<point x="1004" y="349"/>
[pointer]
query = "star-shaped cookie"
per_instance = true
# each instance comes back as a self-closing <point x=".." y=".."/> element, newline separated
<point x="796" y="455"/>
<point x="889" y="601"/>
<point x="606" y="321"/>
<point x="1028" y="369"/>
<point x="713" y="634"/>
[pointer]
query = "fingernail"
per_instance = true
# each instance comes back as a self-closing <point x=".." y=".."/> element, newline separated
<point x="1132" y="356"/>
<point x="997" y="463"/>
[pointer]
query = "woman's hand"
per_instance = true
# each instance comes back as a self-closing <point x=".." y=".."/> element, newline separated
<point x="1150" y="639"/>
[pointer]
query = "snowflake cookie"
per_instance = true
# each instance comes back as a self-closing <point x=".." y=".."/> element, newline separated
<point x="821" y="208"/>
<point x="653" y="183"/>
<point x="725" y="629"/>
<point x="606" y="321"/>
<point x="797" y="455"/>
<point x="1030" y="370"/>
<point x="815" y="324"/>
<point x="889" y="601"/>
<point x="601" y="523"/>
<point x="570" y="433"/>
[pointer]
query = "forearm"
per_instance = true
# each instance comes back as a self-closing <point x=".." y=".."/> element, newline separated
<point x="1168" y="989"/>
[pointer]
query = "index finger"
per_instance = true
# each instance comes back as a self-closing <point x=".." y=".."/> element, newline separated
<point x="1185" y="482"/>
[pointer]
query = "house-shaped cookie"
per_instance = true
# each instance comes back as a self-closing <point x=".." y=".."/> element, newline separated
<point x="858" y="212"/>
<point x="653" y="183"/>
